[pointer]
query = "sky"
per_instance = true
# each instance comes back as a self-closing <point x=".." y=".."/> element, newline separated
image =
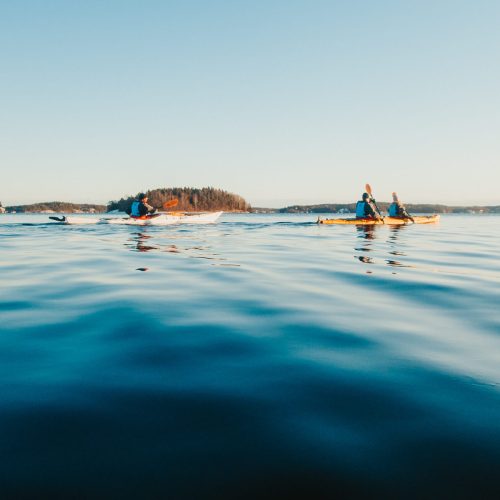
<point x="280" y="101"/>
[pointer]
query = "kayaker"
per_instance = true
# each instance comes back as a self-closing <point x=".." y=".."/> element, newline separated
<point x="140" y="207"/>
<point x="397" y="209"/>
<point x="365" y="208"/>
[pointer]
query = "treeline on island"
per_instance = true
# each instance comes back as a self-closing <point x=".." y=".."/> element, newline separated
<point x="420" y="208"/>
<point x="190" y="200"/>
<point x="57" y="206"/>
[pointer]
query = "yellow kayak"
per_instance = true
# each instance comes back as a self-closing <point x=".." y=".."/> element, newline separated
<point x="391" y="221"/>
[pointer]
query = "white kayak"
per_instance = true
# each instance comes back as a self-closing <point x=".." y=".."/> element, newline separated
<point x="162" y="219"/>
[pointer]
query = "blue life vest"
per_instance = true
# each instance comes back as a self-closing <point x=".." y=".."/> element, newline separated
<point x="360" y="209"/>
<point x="134" y="211"/>
<point x="393" y="210"/>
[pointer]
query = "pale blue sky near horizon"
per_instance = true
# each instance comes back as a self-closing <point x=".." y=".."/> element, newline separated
<point x="282" y="102"/>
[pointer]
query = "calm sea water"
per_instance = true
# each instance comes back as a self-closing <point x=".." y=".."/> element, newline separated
<point x="263" y="356"/>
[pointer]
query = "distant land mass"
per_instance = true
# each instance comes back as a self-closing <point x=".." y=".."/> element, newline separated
<point x="211" y="199"/>
<point x="351" y="208"/>
<point x="189" y="200"/>
<point x="57" y="206"/>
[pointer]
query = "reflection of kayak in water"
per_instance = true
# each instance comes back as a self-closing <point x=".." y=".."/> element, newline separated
<point x="162" y="219"/>
<point x="390" y="221"/>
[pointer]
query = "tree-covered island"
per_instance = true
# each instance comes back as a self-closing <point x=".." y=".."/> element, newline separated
<point x="206" y="199"/>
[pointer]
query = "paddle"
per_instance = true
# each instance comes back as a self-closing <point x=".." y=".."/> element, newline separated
<point x="171" y="203"/>
<point x="369" y="191"/>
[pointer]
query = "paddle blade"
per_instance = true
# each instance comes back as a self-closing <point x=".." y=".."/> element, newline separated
<point x="368" y="189"/>
<point x="171" y="203"/>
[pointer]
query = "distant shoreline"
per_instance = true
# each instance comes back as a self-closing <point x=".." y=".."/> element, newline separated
<point x="342" y="208"/>
<point x="350" y="208"/>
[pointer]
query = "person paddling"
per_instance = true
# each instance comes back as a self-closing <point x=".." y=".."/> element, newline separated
<point x="140" y="207"/>
<point x="397" y="209"/>
<point x="365" y="208"/>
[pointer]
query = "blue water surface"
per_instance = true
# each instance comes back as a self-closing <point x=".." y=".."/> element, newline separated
<point x="263" y="356"/>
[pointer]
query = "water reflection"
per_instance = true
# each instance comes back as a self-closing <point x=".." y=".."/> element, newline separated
<point x="394" y="234"/>
<point x="172" y="249"/>
<point x="368" y="234"/>
<point x="142" y="242"/>
<point x="138" y="243"/>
